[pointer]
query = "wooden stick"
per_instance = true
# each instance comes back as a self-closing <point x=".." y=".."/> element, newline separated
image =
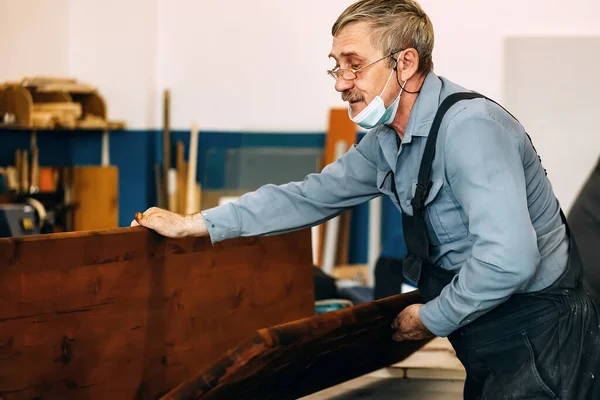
<point x="35" y="170"/>
<point x="19" y="168"/>
<point x="190" y="204"/>
<point x="332" y="227"/>
<point x="181" y="178"/>
<point x="166" y="142"/>
<point x="25" y="171"/>
<point x="172" y="189"/>
<point x="105" y="148"/>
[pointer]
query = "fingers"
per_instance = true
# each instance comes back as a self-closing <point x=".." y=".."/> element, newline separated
<point x="396" y="322"/>
<point x="396" y="325"/>
<point x="161" y="221"/>
<point x="146" y="218"/>
<point x="398" y="336"/>
<point x="139" y="218"/>
<point x="143" y="219"/>
<point x="136" y="219"/>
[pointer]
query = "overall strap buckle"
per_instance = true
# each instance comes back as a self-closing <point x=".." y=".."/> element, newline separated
<point x="418" y="201"/>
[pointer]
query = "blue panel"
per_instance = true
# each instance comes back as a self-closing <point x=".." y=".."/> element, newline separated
<point x="133" y="153"/>
<point x="136" y="152"/>
<point x="9" y="142"/>
<point x="54" y="149"/>
<point x="359" y="235"/>
<point x="392" y="237"/>
<point x="86" y="148"/>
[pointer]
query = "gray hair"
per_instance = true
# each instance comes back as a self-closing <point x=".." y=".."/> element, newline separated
<point x="396" y="24"/>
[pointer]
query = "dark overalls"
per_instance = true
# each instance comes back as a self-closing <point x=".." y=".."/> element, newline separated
<point x="542" y="345"/>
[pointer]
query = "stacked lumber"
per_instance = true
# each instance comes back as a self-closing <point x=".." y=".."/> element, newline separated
<point x="54" y="103"/>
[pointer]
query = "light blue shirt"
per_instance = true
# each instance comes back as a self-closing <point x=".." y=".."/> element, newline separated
<point x="491" y="213"/>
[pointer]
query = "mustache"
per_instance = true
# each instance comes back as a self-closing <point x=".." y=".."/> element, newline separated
<point x="352" y="97"/>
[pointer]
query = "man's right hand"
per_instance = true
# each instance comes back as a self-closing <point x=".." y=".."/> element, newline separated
<point x="170" y="224"/>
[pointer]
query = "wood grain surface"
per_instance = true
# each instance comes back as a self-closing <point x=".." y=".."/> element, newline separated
<point x="296" y="359"/>
<point x="127" y="314"/>
<point x="95" y="191"/>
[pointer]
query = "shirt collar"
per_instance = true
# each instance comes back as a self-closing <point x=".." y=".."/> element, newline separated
<point x="424" y="109"/>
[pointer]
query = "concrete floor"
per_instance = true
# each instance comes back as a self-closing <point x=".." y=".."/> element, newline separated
<point x="377" y="388"/>
<point x="432" y="373"/>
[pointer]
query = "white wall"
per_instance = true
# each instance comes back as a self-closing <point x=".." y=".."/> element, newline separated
<point x="112" y="45"/>
<point x="256" y="65"/>
<point x="260" y="64"/>
<point x="248" y="65"/>
<point x="33" y="38"/>
<point x="558" y="104"/>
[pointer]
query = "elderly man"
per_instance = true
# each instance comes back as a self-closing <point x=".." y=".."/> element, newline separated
<point x="487" y="242"/>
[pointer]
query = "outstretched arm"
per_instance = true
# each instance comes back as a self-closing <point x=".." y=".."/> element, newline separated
<point x="271" y="209"/>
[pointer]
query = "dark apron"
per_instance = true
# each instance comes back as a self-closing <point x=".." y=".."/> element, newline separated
<point x="584" y="220"/>
<point x="535" y="345"/>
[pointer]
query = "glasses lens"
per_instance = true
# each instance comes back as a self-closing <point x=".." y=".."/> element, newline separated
<point x="348" y="74"/>
<point x="342" y="74"/>
<point x="345" y="74"/>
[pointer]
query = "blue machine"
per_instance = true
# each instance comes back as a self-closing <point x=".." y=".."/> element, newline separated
<point x="17" y="220"/>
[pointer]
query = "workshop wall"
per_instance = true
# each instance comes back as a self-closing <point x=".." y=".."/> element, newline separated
<point x="136" y="152"/>
<point x="34" y="37"/>
<point x="112" y="44"/>
<point x="238" y="67"/>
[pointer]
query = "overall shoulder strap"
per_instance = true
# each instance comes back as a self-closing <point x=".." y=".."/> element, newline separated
<point x="424" y="183"/>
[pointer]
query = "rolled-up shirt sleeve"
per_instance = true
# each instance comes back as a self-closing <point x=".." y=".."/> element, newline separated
<point x="485" y="171"/>
<point x="273" y="209"/>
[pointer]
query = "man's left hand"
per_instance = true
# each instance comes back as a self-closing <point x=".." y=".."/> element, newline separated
<point x="408" y="325"/>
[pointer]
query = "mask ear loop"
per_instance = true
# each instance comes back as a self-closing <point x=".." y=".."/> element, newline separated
<point x="398" y="79"/>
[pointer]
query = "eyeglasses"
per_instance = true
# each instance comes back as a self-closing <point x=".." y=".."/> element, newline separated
<point x="350" y="73"/>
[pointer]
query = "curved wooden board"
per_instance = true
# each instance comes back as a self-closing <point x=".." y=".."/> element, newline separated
<point x="125" y="313"/>
<point x="295" y="359"/>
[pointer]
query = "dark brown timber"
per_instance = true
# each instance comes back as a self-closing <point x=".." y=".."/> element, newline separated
<point x="295" y="359"/>
<point x="128" y="314"/>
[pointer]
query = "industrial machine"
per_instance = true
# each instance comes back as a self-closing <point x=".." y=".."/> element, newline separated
<point x="18" y="220"/>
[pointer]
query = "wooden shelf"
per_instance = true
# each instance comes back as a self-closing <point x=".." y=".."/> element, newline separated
<point x="54" y="104"/>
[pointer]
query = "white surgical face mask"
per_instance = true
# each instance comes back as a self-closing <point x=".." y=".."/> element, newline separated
<point x="375" y="113"/>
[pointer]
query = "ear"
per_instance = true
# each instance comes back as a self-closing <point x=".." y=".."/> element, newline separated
<point x="408" y="64"/>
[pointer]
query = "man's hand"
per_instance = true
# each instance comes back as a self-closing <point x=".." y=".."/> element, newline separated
<point x="409" y="326"/>
<point x="170" y="224"/>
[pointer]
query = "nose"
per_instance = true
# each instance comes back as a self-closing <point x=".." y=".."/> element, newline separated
<point x="342" y="84"/>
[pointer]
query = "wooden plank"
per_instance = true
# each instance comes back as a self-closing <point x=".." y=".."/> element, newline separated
<point x="126" y="313"/>
<point x="95" y="190"/>
<point x="340" y="127"/>
<point x="166" y="138"/>
<point x="181" y="177"/>
<point x="374" y="387"/>
<point x="295" y="359"/>
<point x="436" y="360"/>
